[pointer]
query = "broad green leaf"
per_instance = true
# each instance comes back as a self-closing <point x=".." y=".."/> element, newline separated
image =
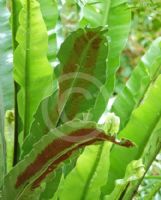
<point x="52" y="186"/>
<point x="89" y="175"/>
<point x="45" y="119"/>
<point x="50" y="12"/>
<point x="15" y="8"/>
<point x="134" y="171"/>
<point x="143" y="75"/>
<point x="49" y="9"/>
<point x="2" y="142"/>
<point x="82" y="71"/>
<point x="139" y="82"/>
<point x="58" y="145"/>
<point x="150" y="152"/>
<point x="6" y="80"/>
<point x="32" y="70"/>
<point x="143" y="123"/>
<point x="45" y="115"/>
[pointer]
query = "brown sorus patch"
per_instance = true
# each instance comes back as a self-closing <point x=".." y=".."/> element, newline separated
<point x="81" y="137"/>
<point x="56" y="163"/>
<point x="52" y="150"/>
<point x="92" y="40"/>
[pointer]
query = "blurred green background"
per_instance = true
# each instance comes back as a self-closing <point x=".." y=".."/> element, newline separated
<point x="145" y="27"/>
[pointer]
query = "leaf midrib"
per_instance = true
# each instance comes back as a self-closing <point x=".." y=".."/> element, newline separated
<point x="93" y="170"/>
<point x="27" y="70"/>
<point x="151" y="80"/>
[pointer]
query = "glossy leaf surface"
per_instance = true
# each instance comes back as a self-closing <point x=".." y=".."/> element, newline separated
<point x="140" y="127"/>
<point x="32" y="70"/>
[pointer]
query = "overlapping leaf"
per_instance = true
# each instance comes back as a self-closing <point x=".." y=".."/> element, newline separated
<point x="82" y="71"/>
<point x="141" y="78"/>
<point x="138" y="84"/>
<point x="45" y="119"/>
<point x="2" y="142"/>
<point x="89" y="175"/>
<point x="143" y="123"/>
<point x="150" y="152"/>
<point x="32" y="70"/>
<point x="118" y="31"/>
<point x="6" y="80"/>
<point x="49" y="10"/>
<point x="49" y="153"/>
<point x="82" y="56"/>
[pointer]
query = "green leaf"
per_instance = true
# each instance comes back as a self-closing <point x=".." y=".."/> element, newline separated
<point x="58" y="145"/>
<point x="136" y="87"/>
<point x="142" y="124"/>
<point x="91" y="16"/>
<point x="89" y="175"/>
<point x="49" y="9"/>
<point x="118" y="32"/>
<point x="50" y="13"/>
<point x="6" y="80"/>
<point x="46" y="113"/>
<point x="52" y="186"/>
<point x="45" y="119"/>
<point x="15" y="7"/>
<point x="2" y="142"/>
<point x="82" y="71"/>
<point x="150" y="152"/>
<point x="32" y="70"/>
<point x="139" y="83"/>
